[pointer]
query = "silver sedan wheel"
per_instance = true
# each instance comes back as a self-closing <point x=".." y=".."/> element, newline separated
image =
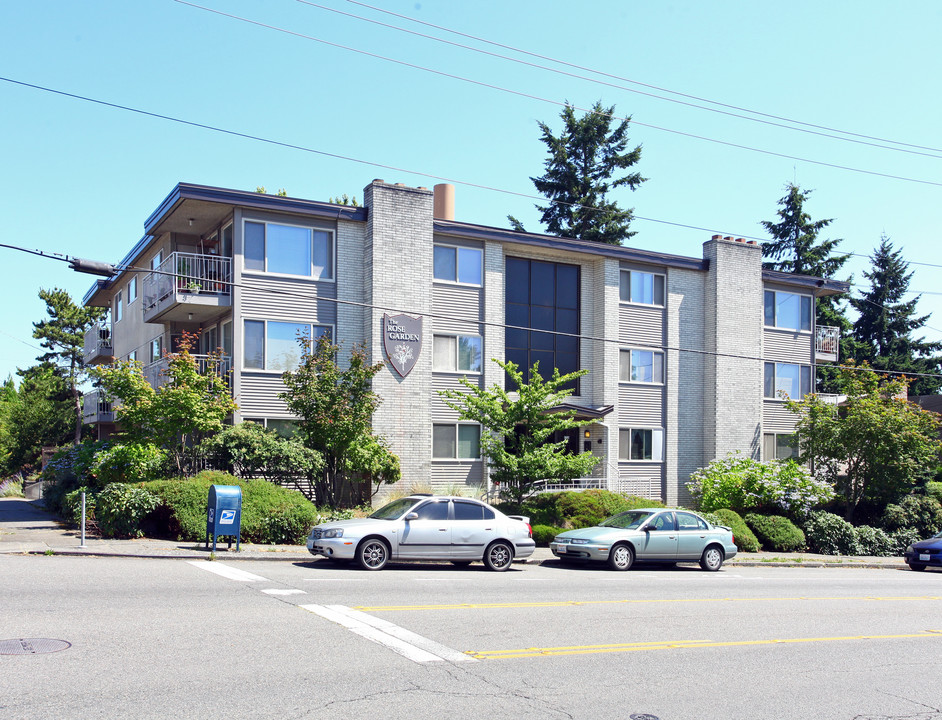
<point x="498" y="556"/>
<point x="712" y="559"/>
<point x="621" y="557"/>
<point x="373" y="554"/>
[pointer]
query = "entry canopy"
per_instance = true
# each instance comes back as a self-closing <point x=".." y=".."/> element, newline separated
<point x="584" y="413"/>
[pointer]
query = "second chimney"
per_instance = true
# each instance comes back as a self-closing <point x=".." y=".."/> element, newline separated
<point x="444" y="202"/>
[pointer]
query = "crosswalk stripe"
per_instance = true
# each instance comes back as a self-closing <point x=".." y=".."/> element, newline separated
<point x="225" y="571"/>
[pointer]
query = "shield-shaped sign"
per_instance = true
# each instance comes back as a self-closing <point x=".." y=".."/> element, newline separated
<point x="402" y="340"/>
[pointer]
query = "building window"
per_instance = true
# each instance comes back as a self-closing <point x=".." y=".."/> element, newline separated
<point x="457" y="353"/>
<point x="271" y="345"/>
<point x="227" y="339"/>
<point x="284" y="428"/>
<point x="289" y="250"/>
<point x="787" y="310"/>
<point x="642" y="366"/>
<point x="461" y="442"/>
<point x="789" y="379"/>
<point x="156" y="260"/>
<point x="132" y="356"/>
<point x="156" y="349"/>
<point x="542" y="301"/>
<point x="641" y="287"/>
<point x="132" y="290"/>
<point x="458" y="264"/>
<point x="118" y="308"/>
<point x="641" y="444"/>
<point x="779" y="446"/>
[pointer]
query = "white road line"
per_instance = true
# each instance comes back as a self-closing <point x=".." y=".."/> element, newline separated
<point x="408" y="644"/>
<point x="283" y="591"/>
<point x="226" y="571"/>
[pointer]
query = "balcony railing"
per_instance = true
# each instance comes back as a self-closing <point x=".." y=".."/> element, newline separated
<point x="98" y="346"/>
<point x="156" y="372"/>
<point x="191" y="283"/>
<point x="826" y="343"/>
<point x="96" y="408"/>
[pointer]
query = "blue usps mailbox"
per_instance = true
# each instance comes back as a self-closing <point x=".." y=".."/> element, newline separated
<point x="224" y="513"/>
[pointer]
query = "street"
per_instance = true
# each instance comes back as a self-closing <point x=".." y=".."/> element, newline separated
<point x="191" y="638"/>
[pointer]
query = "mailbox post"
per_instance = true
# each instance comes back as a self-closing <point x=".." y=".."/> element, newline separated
<point x="224" y="514"/>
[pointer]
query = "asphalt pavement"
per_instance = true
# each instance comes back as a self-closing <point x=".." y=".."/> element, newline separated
<point x="26" y="527"/>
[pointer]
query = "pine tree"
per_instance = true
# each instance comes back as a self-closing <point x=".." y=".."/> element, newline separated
<point x="63" y="335"/>
<point x="795" y="248"/>
<point x="884" y="328"/>
<point x="583" y="160"/>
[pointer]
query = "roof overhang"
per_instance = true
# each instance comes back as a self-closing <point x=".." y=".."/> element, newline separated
<point x="820" y="287"/>
<point x="582" y="413"/>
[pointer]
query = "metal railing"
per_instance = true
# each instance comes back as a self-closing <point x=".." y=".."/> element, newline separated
<point x="97" y="408"/>
<point x="191" y="273"/>
<point x="827" y="340"/>
<point x="97" y="341"/>
<point x="156" y="372"/>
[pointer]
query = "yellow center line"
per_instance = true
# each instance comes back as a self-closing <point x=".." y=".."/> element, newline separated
<point x="674" y="645"/>
<point x="578" y="603"/>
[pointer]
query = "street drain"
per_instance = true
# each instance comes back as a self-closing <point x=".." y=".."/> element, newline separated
<point x="32" y="646"/>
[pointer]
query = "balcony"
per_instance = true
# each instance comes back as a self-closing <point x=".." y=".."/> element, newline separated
<point x="97" y="408"/>
<point x="156" y="372"/>
<point x="188" y="287"/>
<point x="98" y="348"/>
<point x="826" y="342"/>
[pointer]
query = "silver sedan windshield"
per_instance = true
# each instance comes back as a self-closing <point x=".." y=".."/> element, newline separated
<point x="394" y="510"/>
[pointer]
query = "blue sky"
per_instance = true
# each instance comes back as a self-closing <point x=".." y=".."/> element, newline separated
<point x="81" y="178"/>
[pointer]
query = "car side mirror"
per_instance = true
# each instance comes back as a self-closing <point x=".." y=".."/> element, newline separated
<point x="648" y="528"/>
<point x="412" y="516"/>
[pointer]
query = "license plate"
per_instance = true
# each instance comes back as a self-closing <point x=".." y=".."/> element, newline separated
<point x="561" y="548"/>
<point x="924" y="558"/>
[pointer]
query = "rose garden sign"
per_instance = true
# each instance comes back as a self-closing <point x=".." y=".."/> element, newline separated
<point x="402" y="341"/>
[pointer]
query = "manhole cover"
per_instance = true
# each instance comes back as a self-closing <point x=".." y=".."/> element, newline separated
<point x="643" y="716"/>
<point x="32" y="646"/>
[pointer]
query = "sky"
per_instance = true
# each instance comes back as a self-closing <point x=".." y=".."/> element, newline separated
<point x="360" y="100"/>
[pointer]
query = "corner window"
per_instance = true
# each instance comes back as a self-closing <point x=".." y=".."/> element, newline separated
<point x="779" y="446"/>
<point x="458" y="264"/>
<point x="641" y="444"/>
<point x="643" y="366"/>
<point x="118" y="308"/>
<point x="156" y="349"/>
<point x="456" y="353"/>
<point x="156" y="260"/>
<point x="462" y="442"/>
<point x="272" y="345"/>
<point x="641" y="287"/>
<point x="793" y="381"/>
<point x="289" y="250"/>
<point x="132" y="290"/>
<point x="788" y="310"/>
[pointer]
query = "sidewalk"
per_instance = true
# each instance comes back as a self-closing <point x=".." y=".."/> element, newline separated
<point x="26" y="528"/>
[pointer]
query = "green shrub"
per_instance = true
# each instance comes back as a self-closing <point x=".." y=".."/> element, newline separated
<point x="875" y="541"/>
<point x="934" y="490"/>
<point x="919" y="512"/>
<point x="776" y="533"/>
<point x="740" y="483"/>
<point x="11" y="487"/>
<point x="543" y="534"/>
<point x="829" y="534"/>
<point x="70" y="506"/>
<point x="67" y="471"/>
<point x="590" y="507"/>
<point x="119" y="509"/>
<point x="745" y="540"/>
<point x="130" y="462"/>
<point x="904" y="538"/>
<point x="271" y="514"/>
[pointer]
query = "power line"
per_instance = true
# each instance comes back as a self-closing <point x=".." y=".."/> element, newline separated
<point x="640" y="84"/>
<point x="557" y="103"/>
<point x="369" y="163"/>
<point x="760" y="120"/>
<point x="482" y="323"/>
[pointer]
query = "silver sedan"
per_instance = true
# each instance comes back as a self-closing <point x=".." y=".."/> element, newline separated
<point x="649" y="535"/>
<point x="427" y="527"/>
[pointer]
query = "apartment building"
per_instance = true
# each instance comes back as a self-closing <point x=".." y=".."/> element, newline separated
<point x="688" y="358"/>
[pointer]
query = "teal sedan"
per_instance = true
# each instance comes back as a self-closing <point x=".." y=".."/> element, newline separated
<point x="652" y="535"/>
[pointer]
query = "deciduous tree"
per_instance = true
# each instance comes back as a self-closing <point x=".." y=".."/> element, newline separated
<point x="518" y="429"/>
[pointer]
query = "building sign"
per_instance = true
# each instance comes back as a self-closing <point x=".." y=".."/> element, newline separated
<point x="402" y="341"/>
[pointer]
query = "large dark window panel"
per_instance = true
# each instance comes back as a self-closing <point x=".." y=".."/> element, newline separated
<point x="542" y="296"/>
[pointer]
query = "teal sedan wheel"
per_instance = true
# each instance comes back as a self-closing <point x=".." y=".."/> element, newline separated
<point x="621" y="557"/>
<point x="712" y="559"/>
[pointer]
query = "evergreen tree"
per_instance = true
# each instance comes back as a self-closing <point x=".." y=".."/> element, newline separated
<point x="63" y="335"/>
<point x="795" y="248"/>
<point x="39" y="413"/>
<point x="884" y="328"/>
<point x="580" y="171"/>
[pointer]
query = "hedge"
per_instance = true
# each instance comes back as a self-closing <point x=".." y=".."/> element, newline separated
<point x="745" y="540"/>
<point x="776" y="533"/>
